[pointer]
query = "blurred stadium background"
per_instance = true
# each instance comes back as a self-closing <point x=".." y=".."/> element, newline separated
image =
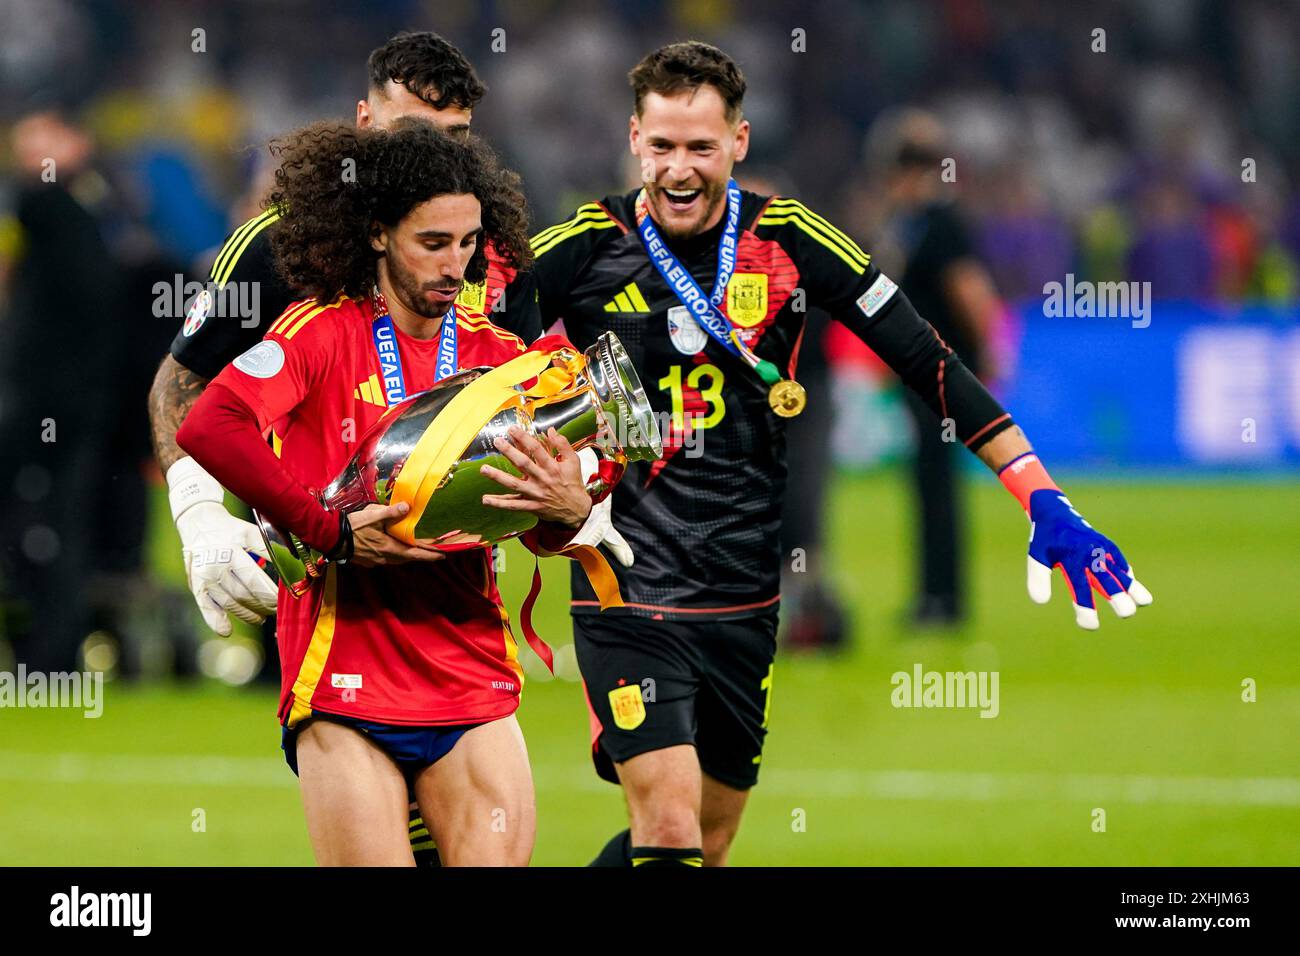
<point x="1128" y="164"/>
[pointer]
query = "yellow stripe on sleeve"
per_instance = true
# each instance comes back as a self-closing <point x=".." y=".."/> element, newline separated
<point x="828" y="226"/>
<point x="230" y="266"/>
<point x="297" y="326"/>
<point x="586" y="210"/>
<point x="811" y="231"/>
<point x="570" y="233"/>
<point x="229" y="246"/>
<point x="290" y="331"/>
<point x="291" y="313"/>
<point x="235" y="246"/>
<point x="791" y="210"/>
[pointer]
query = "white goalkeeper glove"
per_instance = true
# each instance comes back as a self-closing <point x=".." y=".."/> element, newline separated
<point x="599" y="526"/>
<point x="222" y="576"/>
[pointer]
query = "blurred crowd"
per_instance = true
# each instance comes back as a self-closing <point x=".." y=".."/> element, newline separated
<point x="1151" y="140"/>
<point x="1106" y="139"/>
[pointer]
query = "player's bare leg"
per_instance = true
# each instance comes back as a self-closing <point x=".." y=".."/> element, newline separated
<point x="721" y="807"/>
<point x="663" y="797"/>
<point x="480" y="798"/>
<point x="355" y="798"/>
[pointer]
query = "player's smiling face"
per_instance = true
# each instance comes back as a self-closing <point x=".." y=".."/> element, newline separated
<point x="687" y="149"/>
<point x="426" y="254"/>
<point x="384" y="107"/>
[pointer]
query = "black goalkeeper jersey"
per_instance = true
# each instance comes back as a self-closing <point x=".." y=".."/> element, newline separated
<point x="704" y="521"/>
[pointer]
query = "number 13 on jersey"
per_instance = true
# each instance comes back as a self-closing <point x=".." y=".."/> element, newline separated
<point x="711" y="395"/>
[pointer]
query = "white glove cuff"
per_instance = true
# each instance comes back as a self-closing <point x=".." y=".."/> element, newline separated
<point x="188" y="484"/>
<point x="592" y="531"/>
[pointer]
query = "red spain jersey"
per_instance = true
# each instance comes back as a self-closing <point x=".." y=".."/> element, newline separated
<point x="402" y="644"/>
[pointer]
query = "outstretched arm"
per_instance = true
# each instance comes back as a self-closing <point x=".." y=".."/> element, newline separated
<point x="844" y="281"/>
<point x="1059" y="536"/>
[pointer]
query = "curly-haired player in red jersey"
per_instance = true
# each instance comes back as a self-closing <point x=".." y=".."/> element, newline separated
<point x="399" y="667"/>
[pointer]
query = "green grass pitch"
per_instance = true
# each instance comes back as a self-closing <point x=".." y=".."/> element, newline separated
<point x="1143" y="719"/>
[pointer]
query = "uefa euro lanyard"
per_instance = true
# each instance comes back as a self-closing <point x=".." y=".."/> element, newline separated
<point x="390" y="358"/>
<point x="786" y="396"/>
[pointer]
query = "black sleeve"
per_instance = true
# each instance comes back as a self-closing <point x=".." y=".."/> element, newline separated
<point x="559" y="254"/>
<point x="840" y="278"/>
<point x="551" y="281"/>
<point x="516" y="310"/>
<point x="244" y="295"/>
<point x="910" y="346"/>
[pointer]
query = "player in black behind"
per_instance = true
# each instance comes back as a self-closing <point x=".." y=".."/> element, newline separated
<point x="679" y="681"/>
<point x="412" y="75"/>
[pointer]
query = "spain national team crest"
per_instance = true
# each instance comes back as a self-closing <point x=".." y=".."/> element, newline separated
<point x="628" y="707"/>
<point x="686" y="334"/>
<point x="747" y="298"/>
<point x="473" y="296"/>
<point x="200" y="308"/>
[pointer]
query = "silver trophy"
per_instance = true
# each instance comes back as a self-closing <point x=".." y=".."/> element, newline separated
<point x="602" y="404"/>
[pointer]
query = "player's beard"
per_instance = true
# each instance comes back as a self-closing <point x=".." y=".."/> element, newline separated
<point x="673" y="226"/>
<point x="409" y="289"/>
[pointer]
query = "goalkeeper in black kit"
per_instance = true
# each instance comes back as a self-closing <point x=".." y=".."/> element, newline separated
<point x="707" y="286"/>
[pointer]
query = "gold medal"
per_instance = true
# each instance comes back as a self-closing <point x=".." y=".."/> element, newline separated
<point x="787" y="398"/>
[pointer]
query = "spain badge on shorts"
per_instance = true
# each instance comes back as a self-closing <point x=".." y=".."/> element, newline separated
<point x="627" y="706"/>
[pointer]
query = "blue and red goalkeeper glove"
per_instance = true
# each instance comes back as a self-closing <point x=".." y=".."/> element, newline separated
<point x="1060" y="538"/>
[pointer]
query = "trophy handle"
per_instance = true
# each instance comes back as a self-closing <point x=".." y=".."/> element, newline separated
<point x="622" y="400"/>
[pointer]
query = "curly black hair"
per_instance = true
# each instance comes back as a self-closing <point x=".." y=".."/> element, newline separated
<point x="428" y="66"/>
<point x="336" y="181"/>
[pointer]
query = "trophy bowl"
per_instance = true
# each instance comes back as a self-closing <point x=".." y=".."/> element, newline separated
<point x="592" y="398"/>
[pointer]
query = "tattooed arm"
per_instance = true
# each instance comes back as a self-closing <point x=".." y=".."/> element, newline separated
<point x="174" y="392"/>
<point x="1003" y="448"/>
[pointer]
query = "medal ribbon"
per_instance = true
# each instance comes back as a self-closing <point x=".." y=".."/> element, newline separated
<point x="390" y="358"/>
<point x="705" y="309"/>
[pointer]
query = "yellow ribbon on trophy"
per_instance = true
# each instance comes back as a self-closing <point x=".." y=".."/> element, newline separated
<point x="443" y="442"/>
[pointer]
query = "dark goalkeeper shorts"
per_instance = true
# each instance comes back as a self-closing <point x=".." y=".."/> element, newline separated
<point x="656" y="684"/>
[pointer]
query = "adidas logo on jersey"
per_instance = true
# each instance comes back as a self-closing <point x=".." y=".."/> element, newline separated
<point x="371" y="392"/>
<point x="629" y="301"/>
